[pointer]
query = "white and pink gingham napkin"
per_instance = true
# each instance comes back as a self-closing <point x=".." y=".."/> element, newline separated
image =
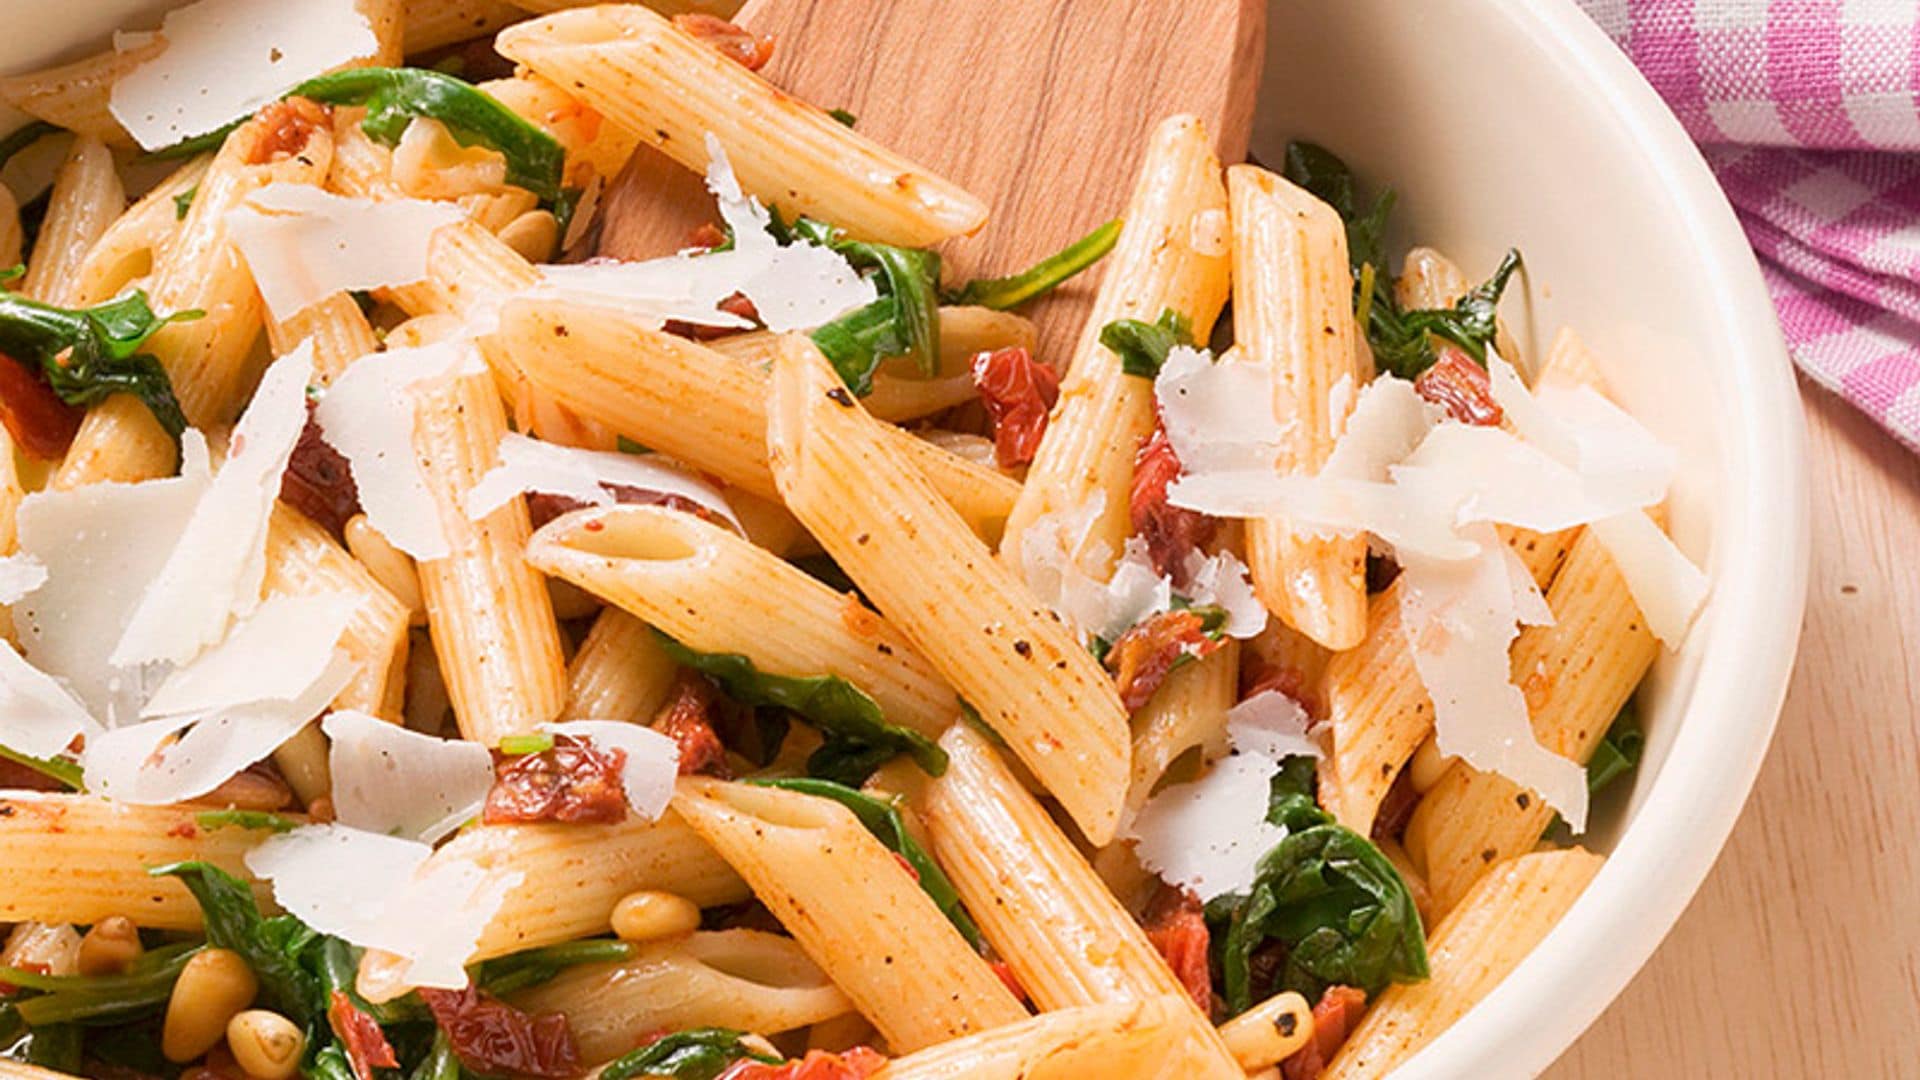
<point x="1809" y="113"/>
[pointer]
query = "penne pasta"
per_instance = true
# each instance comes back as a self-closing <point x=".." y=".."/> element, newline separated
<point x="302" y="560"/>
<point x="87" y="198"/>
<point x="1117" y="1041"/>
<point x="620" y="672"/>
<point x="895" y="954"/>
<point x="1188" y="712"/>
<point x="1508" y="912"/>
<point x="1006" y="654"/>
<point x="714" y="592"/>
<point x="596" y="146"/>
<point x="131" y="246"/>
<point x="746" y="979"/>
<point x="1293" y="311"/>
<point x="336" y="326"/>
<point x="653" y="78"/>
<point x="1172" y="256"/>
<point x="430" y="24"/>
<point x="74" y="95"/>
<point x="1043" y="908"/>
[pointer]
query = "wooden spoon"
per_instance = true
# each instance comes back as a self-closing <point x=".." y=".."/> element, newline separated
<point x="1039" y="107"/>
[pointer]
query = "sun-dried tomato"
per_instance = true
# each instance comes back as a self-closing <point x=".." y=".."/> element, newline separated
<point x="317" y="481"/>
<point x="1260" y="675"/>
<point x="1170" y="532"/>
<point x="1019" y="393"/>
<point x="288" y="126"/>
<point x="734" y="42"/>
<point x="735" y="304"/>
<point x="574" y="782"/>
<point x="1460" y="386"/>
<point x="493" y="1038"/>
<point x="1144" y="655"/>
<point x="41" y="424"/>
<point x="855" y="1064"/>
<point x="1334" y="1016"/>
<point x="1396" y="808"/>
<point x="366" y="1045"/>
<point x="687" y="718"/>
<point x="1176" y="924"/>
<point x="1004" y="972"/>
<point x="706" y="235"/>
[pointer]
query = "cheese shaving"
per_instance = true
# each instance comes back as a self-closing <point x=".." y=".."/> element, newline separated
<point x="396" y="782"/>
<point x="225" y="58"/>
<point x="37" y="716"/>
<point x="1666" y="586"/>
<point x="652" y="765"/>
<point x="1271" y="725"/>
<point x="276" y="654"/>
<point x="1218" y="415"/>
<point x="219" y="561"/>
<point x="304" y="245"/>
<point x="1223" y="581"/>
<point x="368" y="416"/>
<point x="585" y="476"/>
<point x="20" y="575"/>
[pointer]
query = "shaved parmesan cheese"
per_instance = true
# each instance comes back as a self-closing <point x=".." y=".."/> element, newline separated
<point x="219" y="561"/>
<point x="1209" y="835"/>
<point x="1614" y="454"/>
<point x="225" y="58"/>
<point x="1459" y="620"/>
<point x="380" y="892"/>
<point x="1271" y="725"/>
<point x="1218" y="415"/>
<point x="1529" y="603"/>
<point x="396" y="782"/>
<point x="304" y="245"/>
<point x="96" y="578"/>
<point x="584" y="476"/>
<point x="368" y="416"/>
<point x="1412" y="519"/>
<point x="1491" y="476"/>
<point x="653" y="760"/>
<point x="1222" y="581"/>
<point x="276" y="654"/>
<point x="1389" y="419"/>
<point x="37" y="716"/>
<point x="1666" y="586"/>
<point x="20" y="575"/>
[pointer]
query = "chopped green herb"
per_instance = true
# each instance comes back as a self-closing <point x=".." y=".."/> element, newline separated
<point x="538" y="742"/>
<point x="91" y="353"/>
<point x="1619" y="751"/>
<point x="503" y="975"/>
<point x="904" y="321"/>
<point x="183" y="202"/>
<point x="1040" y="278"/>
<point x="276" y="949"/>
<point x="843" y="116"/>
<point x="883" y="820"/>
<point x="697" y="1054"/>
<point x="57" y="768"/>
<point x="628" y="446"/>
<point x="63" y="999"/>
<point x="1143" y="347"/>
<point x="858" y="738"/>
<point x="245" y="819"/>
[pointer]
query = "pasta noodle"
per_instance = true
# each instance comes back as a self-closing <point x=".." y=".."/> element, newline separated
<point x="87" y="197"/>
<point x="620" y="672"/>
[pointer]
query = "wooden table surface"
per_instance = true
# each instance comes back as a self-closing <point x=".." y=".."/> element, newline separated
<point x="1800" y="956"/>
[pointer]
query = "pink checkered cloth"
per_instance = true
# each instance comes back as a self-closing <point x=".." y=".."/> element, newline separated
<point x="1809" y="113"/>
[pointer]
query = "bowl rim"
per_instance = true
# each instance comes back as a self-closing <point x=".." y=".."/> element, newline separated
<point x="1688" y="811"/>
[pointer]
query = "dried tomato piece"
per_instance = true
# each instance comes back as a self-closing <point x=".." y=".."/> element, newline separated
<point x="1460" y="386"/>
<point x="1170" y="532"/>
<point x="289" y="125"/>
<point x="1260" y="676"/>
<point x="706" y="235"/>
<point x="736" y="304"/>
<point x="317" y="481"/>
<point x="575" y="782"/>
<point x="1144" y="655"/>
<point x="855" y="1064"/>
<point x="1004" y="972"/>
<point x="1334" y="1016"/>
<point x="1019" y="394"/>
<point x="687" y="718"/>
<point x="736" y="43"/>
<point x="496" y="1039"/>
<point x="41" y="424"/>
<point x="1176" y="924"/>
<point x="366" y="1045"/>
<point x="1396" y="808"/>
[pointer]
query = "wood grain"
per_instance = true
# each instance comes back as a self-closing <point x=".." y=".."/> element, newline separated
<point x="1040" y="107"/>
<point x="1801" y="954"/>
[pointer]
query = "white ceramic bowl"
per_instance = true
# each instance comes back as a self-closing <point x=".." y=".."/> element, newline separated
<point x="1517" y="122"/>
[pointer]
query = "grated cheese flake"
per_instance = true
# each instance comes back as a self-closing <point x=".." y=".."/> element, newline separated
<point x="528" y="464"/>
<point x="1218" y="413"/>
<point x="275" y="654"/>
<point x="20" y="575"/>
<point x="303" y="244"/>
<point x="38" y="716"/>
<point x="394" y="781"/>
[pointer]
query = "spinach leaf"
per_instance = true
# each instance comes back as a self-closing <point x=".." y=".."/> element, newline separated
<point x="1040" y="278"/>
<point x="843" y="116"/>
<point x="63" y="999"/>
<point x="279" y="949"/>
<point x="1143" y="347"/>
<point x="50" y="1046"/>
<point x="57" y="768"/>
<point x="858" y="737"/>
<point x="1328" y="895"/>
<point x="245" y="819"/>
<point x="502" y="975"/>
<point x="1619" y="751"/>
<point x="696" y="1054"/>
<point x="183" y="202"/>
<point x="904" y="321"/>
<point x="91" y="353"/>
<point x="394" y="96"/>
<point x="883" y="820"/>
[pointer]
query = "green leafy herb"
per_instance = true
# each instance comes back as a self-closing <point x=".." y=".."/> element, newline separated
<point x="503" y="975"/>
<point x="1213" y="625"/>
<point x="858" y="738"/>
<point x="91" y="353"/>
<point x="441" y="1063"/>
<point x="696" y="1054"/>
<point x="61" y="999"/>
<point x="1143" y="347"/>
<point x="50" y="1046"/>
<point x="245" y="819"/>
<point x="58" y="768"/>
<point x="1325" y="892"/>
<point x="1619" y="751"/>
<point x="628" y="446"/>
<point x="903" y="322"/>
<point x="394" y="96"/>
<point x="857" y="342"/>
<point x="1040" y="278"/>
<point x="843" y="116"/>
<point x="538" y="742"/>
<point x="183" y="202"/>
<point x="883" y="820"/>
<point x="277" y="949"/>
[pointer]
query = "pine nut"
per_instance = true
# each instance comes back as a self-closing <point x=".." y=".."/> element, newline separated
<point x="214" y="985"/>
<point x="264" y="1043"/>
<point x="648" y="916"/>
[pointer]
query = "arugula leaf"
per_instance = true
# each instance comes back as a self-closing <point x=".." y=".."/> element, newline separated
<point x="50" y="1046"/>
<point x="183" y="202"/>
<point x="843" y="116"/>
<point x="856" y="343"/>
<point x="1040" y="278"/>
<point x="858" y="737"/>
<point x="63" y="999"/>
<point x="903" y="322"/>
<point x="1326" y="893"/>
<point x="882" y="819"/>
<point x="1143" y="347"/>
<point x="58" y="768"/>
<point x="277" y="949"/>
<point x="440" y="1063"/>
<point x="394" y="96"/>
<point x="628" y="446"/>
<point x="91" y="353"/>
<point x="245" y="819"/>
<point x="695" y="1054"/>
<point x="502" y="975"/>
<point x="1619" y="750"/>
